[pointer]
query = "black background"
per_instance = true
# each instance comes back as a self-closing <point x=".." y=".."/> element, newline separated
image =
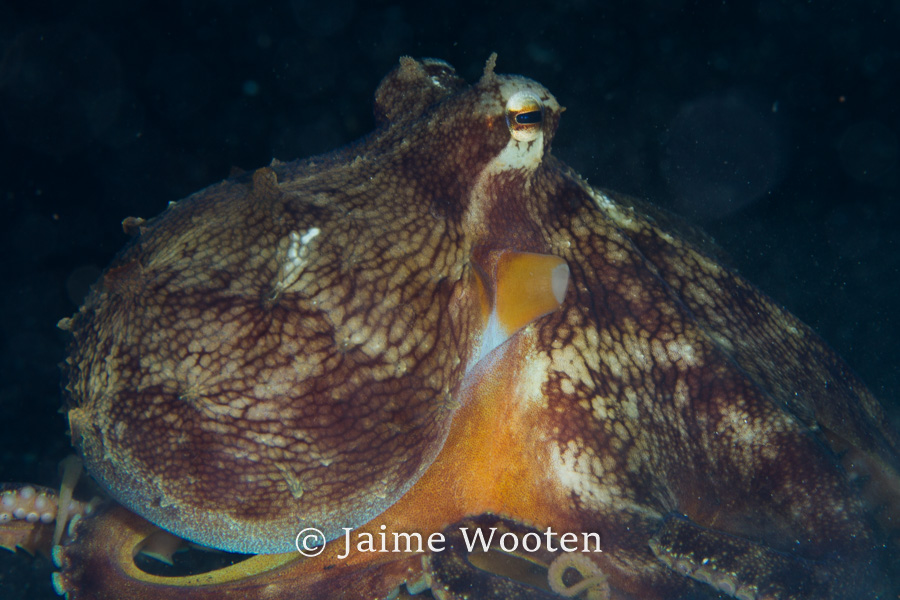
<point x="773" y="124"/>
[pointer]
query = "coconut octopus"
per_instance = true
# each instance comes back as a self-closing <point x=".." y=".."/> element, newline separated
<point x="438" y="362"/>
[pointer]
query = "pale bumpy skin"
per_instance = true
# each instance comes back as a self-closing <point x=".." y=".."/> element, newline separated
<point x="298" y="347"/>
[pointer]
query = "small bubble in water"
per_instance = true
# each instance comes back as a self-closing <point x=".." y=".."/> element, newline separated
<point x="722" y="152"/>
<point x="251" y="88"/>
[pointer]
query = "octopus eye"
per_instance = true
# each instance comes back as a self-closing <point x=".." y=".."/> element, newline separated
<point x="524" y="115"/>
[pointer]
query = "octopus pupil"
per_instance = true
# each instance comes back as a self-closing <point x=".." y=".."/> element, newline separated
<point x="527" y="118"/>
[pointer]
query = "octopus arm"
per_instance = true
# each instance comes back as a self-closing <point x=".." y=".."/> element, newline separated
<point x="782" y="355"/>
<point x="743" y="569"/>
<point x="99" y="564"/>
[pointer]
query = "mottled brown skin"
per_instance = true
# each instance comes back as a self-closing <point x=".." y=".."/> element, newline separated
<point x="230" y="401"/>
<point x="667" y="405"/>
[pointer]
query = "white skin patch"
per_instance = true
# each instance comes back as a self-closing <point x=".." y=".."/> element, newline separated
<point x="606" y="204"/>
<point x="309" y="235"/>
<point x="517" y="155"/>
<point x="584" y="474"/>
<point x="570" y="362"/>
<point x="738" y="424"/>
<point x="744" y="437"/>
<point x="681" y="351"/>
<point x="295" y="259"/>
<point x="532" y="378"/>
<point x="578" y="470"/>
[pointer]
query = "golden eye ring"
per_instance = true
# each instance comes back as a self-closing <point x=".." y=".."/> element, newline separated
<point x="524" y="116"/>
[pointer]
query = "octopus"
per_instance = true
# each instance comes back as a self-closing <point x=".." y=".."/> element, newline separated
<point x="439" y="362"/>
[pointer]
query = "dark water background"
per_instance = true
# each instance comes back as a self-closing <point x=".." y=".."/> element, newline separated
<point x="774" y="124"/>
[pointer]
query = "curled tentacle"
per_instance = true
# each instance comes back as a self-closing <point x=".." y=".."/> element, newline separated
<point x="593" y="581"/>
